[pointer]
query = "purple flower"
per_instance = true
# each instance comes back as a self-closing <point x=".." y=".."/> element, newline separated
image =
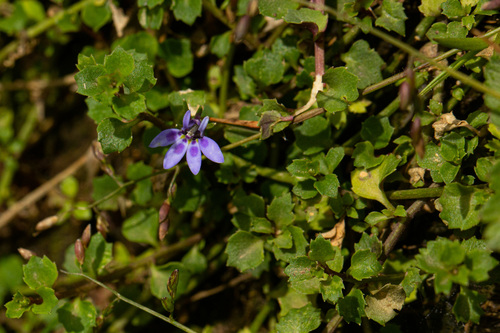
<point x="188" y="141"/>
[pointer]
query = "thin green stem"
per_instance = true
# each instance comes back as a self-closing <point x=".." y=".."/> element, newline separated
<point x="137" y="305"/>
<point x="241" y="142"/>
<point x="270" y="173"/>
<point x="224" y="86"/>
<point x="41" y="27"/>
<point x="417" y="193"/>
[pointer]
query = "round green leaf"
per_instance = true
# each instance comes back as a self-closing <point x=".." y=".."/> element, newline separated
<point x="245" y="251"/>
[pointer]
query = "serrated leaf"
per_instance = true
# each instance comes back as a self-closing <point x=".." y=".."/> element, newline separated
<point x="313" y="136"/>
<point x="298" y="247"/>
<point x="307" y="15"/>
<point x="186" y="10"/>
<point x="364" y="264"/>
<point x="453" y="9"/>
<point x="119" y="62"/>
<point x="276" y="8"/>
<point x="431" y="7"/>
<point x="363" y="62"/>
<point x="368" y="183"/>
<point x="492" y="80"/>
<point x="77" y="316"/>
<point x="328" y="186"/>
<point x="377" y="130"/>
<point x="364" y="155"/>
<point x="321" y="250"/>
<point x="40" y="272"/>
<point x="265" y="68"/>
<point x="445" y="31"/>
<point x="178" y="56"/>
<point x="467" y="307"/>
<point x="304" y="168"/>
<point x="461" y="205"/>
<point x="305" y="189"/>
<point x="142" y="77"/>
<point x="49" y="301"/>
<point x="393" y="17"/>
<point x="411" y="280"/>
<point x="98" y="254"/>
<point x="245" y="251"/>
<point x="302" y="320"/>
<point x="381" y="306"/>
<point x="280" y="211"/>
<point x="342" y="88"/>
<point x="129" y="106"/>
<point x="331" y="288"/>
<point x="369" y="242"/>
<point x="86" y="80"/>
<point x="19" y="305"/>
<point x="142" y="227"/>
<point x="352" y="306"/>
<point x="114" y="135"/>
<point x="480" y="262"/>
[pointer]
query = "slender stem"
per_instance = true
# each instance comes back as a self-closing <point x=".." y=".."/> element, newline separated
<point x="226" y="74"/>
<point x="242" y="123"/>
<point x="418" y="193"/>
<point x="137" y="305"/>
<point x="152" y="119"/>
<point x="241" y="142"/>
<point x="280" y="176"/>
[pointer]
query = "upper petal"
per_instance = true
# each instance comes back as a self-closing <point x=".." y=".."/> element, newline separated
<point x="187" y="123"/>
<point x="175" y="153"/>
<point x="211" y="150"/>
<point x="203" y="125"/>
<point x="165" y="138"/>
<point x="193" y="157"/>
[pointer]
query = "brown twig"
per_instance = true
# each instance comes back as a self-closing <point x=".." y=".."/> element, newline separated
<point x="237" y="122"/>
<point x="210" y="292"/>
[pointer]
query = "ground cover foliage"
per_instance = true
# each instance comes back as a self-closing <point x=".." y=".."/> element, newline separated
<point x="359" y="188"/>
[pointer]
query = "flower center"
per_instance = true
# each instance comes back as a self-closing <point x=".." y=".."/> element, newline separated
<point x="193" y="132"/>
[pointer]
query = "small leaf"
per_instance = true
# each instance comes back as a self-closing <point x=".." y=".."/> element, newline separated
<point x="334" y="157"/>
<point x="265" y="67"/>
<point x="129" y="106"/>
<point x="342" y="88"/>
<point x="302" y="320"/>
<point x="186" y="10"/>
<point x="331" y="288"/>
<point x="49" y="301"/>
<point x="352" y="306"/>
<point x="381" y="305"/>
<point x="328" y="186"/>
<point x="17" y="306"/>
<point x="114" y="135"/>
<point x="297" y="249"/>
<point x="364" y="264"/>
<point x="96" y="16"/>
<point x="431" y="7"/>
<point x="492" y="80"/>
<point x="363" y="62"/>
<point x="467" y="307"/>
<point x="98" y="255"/>
<point x="119" y="62"/>
<point x="276" y="9"/>
<point x="142" y="227"/>
<point x="377" y="130"/>
<point x="364" y="155"/>
<point x="40" y="272"/>
<point x="307" y="15"/>
<point x="178" y="56"/>
<point x="245" y="251"/>
<point x="461" y="205"/>
<point x="280" y="211"/>
<point x="393" y="17"/>
<point x="321" y="250"/>
<point x="77" y="316"/>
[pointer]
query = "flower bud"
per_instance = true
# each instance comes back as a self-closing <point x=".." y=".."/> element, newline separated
<point x="25" y="253"/>
<point x="241" y="28"/>
<point x="79" y="251"/>
<point x="47" y="223"/>
<point x="163" y="229"/>
<point x="164" y="209"/>
<point x="86" y="236"/>
<point x="102" y="224"/>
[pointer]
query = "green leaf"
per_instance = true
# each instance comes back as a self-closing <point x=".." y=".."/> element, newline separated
<point x="178" y="56"/>
<point x="375" y="217"/>
<point x="381" y="306"/>
<point x="17" y="306"/>
<point x="352" y="306"/>
<point x="276" y="9"/>
<point x="313" y="136"/>
<point x="462" y="43"/>
<point x="453" y="147"/>
<point x="99" y="111"/>
<point x="280" y="211"/>
<point x="377" y="130"/>
<point x="302" y="320"/>
<point x="129" y="106"/>
<point x="195" y="261"/>
<point x="368" y="183"/>
<point x="77" y="316"/>
<point x="86" y="80"/>
<point x="364" y="264"/>
<point x="431" y="7"/>
<point x="114" y="135"/>
<point x="363" y="62"/>
<point x="142" y="227"/>
<point x="151" y="18"/>
<point x="245" y="251"/>
<point x="411" y="280"/>
<point x="328" y="186"/>
<point x="40" y="272"/>
<point x="334" y="157"/>
<point x="443" y="31"/>
<point x="371" y="243"/>
<point x="246" y="86"/>
<point x="483" y="168"/>
<point x="220" y="44"/>
<point x="393" y="17"/>
<point x="49" y="301"/>
<point x="331" y="289"/>
<point x="142" y="77"/>
<point x="467" y="307"/>
<point x="364" y="155"/>
<point x="453" y="9"/>
<point x="303" y="275"/>
<point x="11" y="270"/>
<point x="305" y="189"/>
<point x="304" y="168"/>
<point x="119" y="62"/>
<point x="321" y="250"/>
<point x="186" y="10"/>
<point x="252" y="204"/>
<point x="103" y="186"/>
<point x="342" y="89"/>
<point x="298" y="247"/>
<point x="265" y="67"/>
<point x="98" y="254"/>
<point x="143" y="191"/>
<point x="69" y="186"/>
<point x="141" y="42"/>
<point x="96" y="16"/>
<point x="307" y="15"/>
<point x="480" y="262"/>
<point x="461" y="205"/>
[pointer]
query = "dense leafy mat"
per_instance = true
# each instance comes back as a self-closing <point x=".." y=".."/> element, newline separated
<point x="359" y="183"/>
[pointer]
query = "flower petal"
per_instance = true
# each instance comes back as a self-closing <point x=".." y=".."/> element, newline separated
<point x="203" y="125"/>
<point x="211" y="150"/>
<point x="175" y="153"/>
<point x="193" y="156"/>
<point x="165" y="138"/>
<point x="187" y="123"/>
